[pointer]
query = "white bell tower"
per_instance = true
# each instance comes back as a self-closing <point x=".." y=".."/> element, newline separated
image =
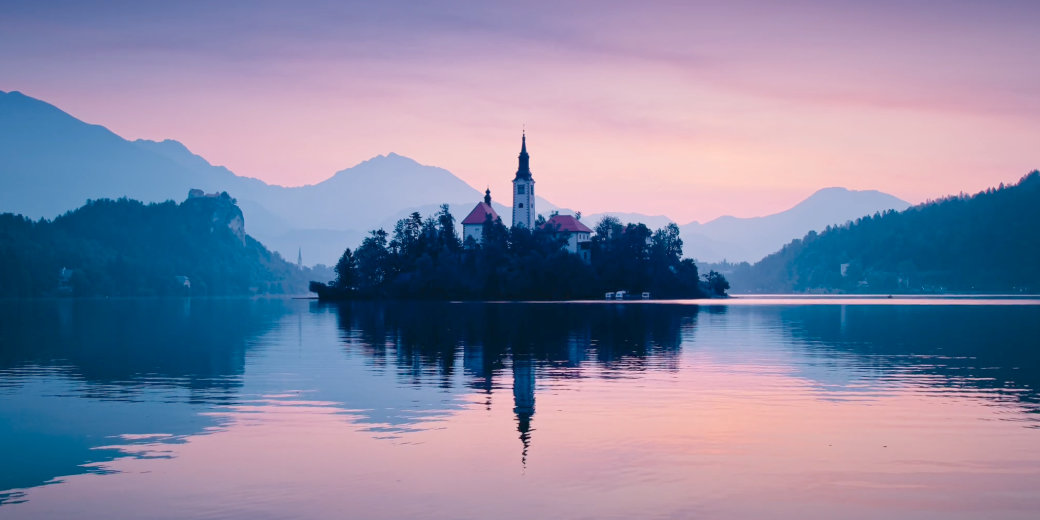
<point x="523" y="190"/>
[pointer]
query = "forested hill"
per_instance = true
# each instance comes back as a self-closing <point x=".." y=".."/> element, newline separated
<point x="126" y="248"/>
<point x="988" y="242"/>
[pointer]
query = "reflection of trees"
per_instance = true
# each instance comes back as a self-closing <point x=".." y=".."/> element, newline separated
<point x="199" y="344"/>
<point x="424" y="340"/>
<point x="990" y="348"/>
<point x="141" y="353"/>
<point x="420" y="337"/>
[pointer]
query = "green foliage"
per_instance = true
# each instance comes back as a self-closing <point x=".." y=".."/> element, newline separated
<point x="717" y="284"/>
<point x="346" y="271"/>
<point x="126" y="248"/>
<point x="981" y="243"/>
<point x="424" y="258"/>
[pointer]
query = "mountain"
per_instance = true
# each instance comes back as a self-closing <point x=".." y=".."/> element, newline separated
<point x="127" y="248"/>
<point x="983" y="243"/>
<point x="366" y="194"/>
<point x="651" y="221"/>
<point x="51" y="162"/>
<point x="322" y="219"/>
<point x="749" y="239"/>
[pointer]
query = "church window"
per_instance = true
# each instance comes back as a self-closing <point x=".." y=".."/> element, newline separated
<point x="520" y="189"/>
<point x="521" y="204"/>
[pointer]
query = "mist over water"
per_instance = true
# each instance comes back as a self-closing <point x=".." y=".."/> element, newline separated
<point x="278" y="408"/>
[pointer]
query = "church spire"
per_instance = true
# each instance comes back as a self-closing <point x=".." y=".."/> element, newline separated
<point x="523" y="190"/>
<point x="487" y="196"/>
<point x="524" y="171"/>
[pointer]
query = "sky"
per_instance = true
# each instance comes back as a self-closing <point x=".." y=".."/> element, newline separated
<point x="688" y="109"/>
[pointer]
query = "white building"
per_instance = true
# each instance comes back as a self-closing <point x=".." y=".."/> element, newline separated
<point x="523" y="190"/>
<point x="473" y="224"/>
<point x="579" y="236"/>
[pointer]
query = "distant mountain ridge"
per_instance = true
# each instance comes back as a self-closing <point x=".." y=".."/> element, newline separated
<point x="51" y="162"/>
<point x="738" y="239"/>
<point x="983" y="243"/>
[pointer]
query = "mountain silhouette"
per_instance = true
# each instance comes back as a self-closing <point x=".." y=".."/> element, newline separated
<point x="983" y="243"/>
<point x="51" y="162"/>
<point x="750" y="239"/>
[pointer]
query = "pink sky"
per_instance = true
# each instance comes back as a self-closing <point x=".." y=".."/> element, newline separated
<point x="683" y="109"/>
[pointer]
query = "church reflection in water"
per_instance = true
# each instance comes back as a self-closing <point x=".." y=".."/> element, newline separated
<point x="523" y="399"/>
<point x="522" y="343"/>
<point x="516" y="340"/>
<point x="77" y="374"/>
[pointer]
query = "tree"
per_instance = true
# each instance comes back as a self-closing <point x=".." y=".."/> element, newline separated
<point x="346" y="271"/>
<point x="373" y="260"/>
<point x="666" y="246"/>
<point x="446" y="228"/>
<point x="407" y="233"/>
<point x="425" y="259"/>
<point x="128" y="248"/>
<point x="717" y="284"/>
<point x="608" y="228"/>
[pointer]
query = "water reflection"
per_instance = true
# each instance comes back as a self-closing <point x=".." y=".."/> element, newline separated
<point x="76" y="374"/>
<point x="85" y="385"/>
<point x="425" y="340"/>
<point x="990" y="350"/>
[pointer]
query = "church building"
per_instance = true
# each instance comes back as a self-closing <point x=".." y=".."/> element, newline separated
<point x="577" y="235"/>
<point x="473" y="224"/>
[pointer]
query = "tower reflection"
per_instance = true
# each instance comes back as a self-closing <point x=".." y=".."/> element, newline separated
<point x="523" y="400"/>
<point x="426" y="340"/>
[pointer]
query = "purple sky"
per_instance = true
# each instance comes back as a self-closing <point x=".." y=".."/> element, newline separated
<point x="688" y="109"/>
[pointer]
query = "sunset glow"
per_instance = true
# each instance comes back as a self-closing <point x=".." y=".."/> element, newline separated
<point x="693" y="110"/>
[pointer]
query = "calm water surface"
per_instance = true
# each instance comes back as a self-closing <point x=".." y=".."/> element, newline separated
<point x="771" y="408"/>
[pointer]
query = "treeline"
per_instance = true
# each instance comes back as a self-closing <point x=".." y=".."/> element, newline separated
<point x="988" y="242"/>
<point x="126" y="248"/>
<point x="425" y="258"/>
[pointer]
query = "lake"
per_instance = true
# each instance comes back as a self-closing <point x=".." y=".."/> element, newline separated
<point x="747" y="408"/>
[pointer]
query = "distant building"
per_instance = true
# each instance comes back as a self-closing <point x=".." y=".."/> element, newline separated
<point x="579" y="236"/>
<point x="473" y="224"/>
<point x="196" y="193"/>
<point x="523" y="190"/>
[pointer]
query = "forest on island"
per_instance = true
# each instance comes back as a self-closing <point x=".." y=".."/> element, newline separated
<point x="425" y="258"/>
<point x="127" y="248"/>
<point x="987" y="242"/>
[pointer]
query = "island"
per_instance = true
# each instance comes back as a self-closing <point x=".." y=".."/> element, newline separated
<point x="537" y="258"/>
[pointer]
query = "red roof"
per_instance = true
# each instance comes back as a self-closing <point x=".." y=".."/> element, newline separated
<point x="480" y="213"/>
<point x="567" y="224"/>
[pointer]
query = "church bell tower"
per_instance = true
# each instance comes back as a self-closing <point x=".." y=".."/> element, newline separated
<point x="523" y="190"/>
